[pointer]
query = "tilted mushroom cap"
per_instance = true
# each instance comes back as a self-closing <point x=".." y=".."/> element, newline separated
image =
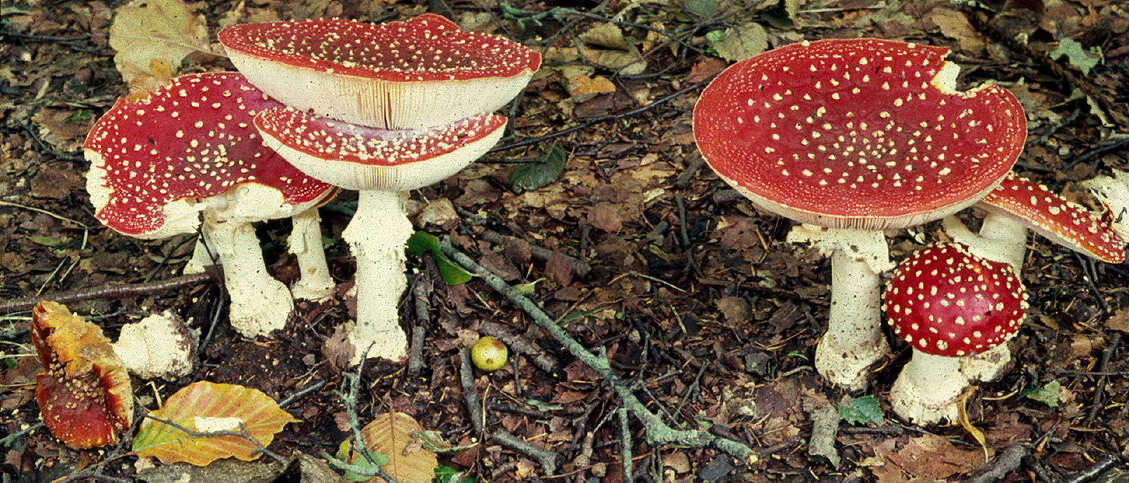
<point x="365" y="158"/>
<point x="1059" y="220"/>
<point x="84" y="394"/>
<point x="945" y="301"/>
<point x="420" y="73"/>
<point x="155" y="161"/>
<point x="864" y="133"/>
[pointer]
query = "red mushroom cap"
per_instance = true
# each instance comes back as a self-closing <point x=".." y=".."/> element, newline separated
<point x="420" y="73"/>
<point x="945" y="301"/>
<point x="153" y="160"/>
<point x="862" y="133"/>
<point x="1057" y="219"/>
<point x="366" y="158"/>
<point x="84" y="395"/>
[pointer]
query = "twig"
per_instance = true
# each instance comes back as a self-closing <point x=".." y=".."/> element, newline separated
<point x="9" y="440"/>
<point x="1093" y="472"/>
<point x="44" y="148"/>
<point x="353" y="379"/>
<point x="520" y="345"/>
<point x="581" y="267"/>
<point x="242" y="433"/>
<point x="1005" y="463"/>
<point x="1099" y="389"/>
<point x="625" y="434"/>
<point x="212" y="325"/>
<point x="547" y="459"/>
<point x="656" y="430"/>
<point x="302" y="393"/>
<point x="113" y="291"/>
<point x="470" y="394"/>
<point x="419" y="294"/>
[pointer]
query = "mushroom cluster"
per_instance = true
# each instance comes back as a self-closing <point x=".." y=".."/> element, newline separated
<point x="381" y="109"/>
<point x="850" y="138"/>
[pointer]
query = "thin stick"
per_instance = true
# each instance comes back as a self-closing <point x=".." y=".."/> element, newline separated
<point x="107" y="292"/>
<point x="1099" y="390"/>
<point x="470" y="394"/>
<point x="625" y="435"/>
<point x="415" y="355"/>
<point x="302" y="393"/>
<point x="242" y="433"/>
<point x="520" y="345"/>
<point x="656" y="430"/>
<point x="547" y="459"/>
<point x="579" y="266"/>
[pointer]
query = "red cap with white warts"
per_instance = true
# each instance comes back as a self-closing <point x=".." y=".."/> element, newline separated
<point x="155" y="161"/>
<point x="84" y="393"/>
<point x="420" y="73"/>
<point x="1059" y="220"/>
<point x="943" y="300"/>
<point x="864" y="133"/>
<point x="365" y="158"/>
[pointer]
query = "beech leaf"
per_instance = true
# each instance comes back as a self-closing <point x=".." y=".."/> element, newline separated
<point x="152" y="39"/>
<point x="391" y="434"/>
<point x="206" y="407"/>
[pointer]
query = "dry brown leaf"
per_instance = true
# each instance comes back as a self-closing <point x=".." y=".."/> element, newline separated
<point x="391" y="435"/>
<point x="1119" y="321"/>
<point x="158" y="30"/>
<point x="955" y="26"/>
<point x="584" y="86"/>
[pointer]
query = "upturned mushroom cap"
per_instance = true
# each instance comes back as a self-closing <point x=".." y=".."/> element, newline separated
<point x="84" y="393"/>
<point x="1057" y="219"/>
<point x="365" y="158"/>
<point x="155" y="162"/>
<point x="945" y="301"/>
<point x="864" y="133"/>
<point x="420" y="73"/>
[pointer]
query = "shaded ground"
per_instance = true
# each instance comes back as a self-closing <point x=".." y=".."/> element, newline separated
<point x="693" y="292"/>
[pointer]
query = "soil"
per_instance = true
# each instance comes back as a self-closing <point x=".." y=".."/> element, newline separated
<point x="698" y="300"/>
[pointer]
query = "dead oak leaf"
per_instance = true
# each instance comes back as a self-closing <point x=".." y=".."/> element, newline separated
<point x="155" y="30"/>
<point x="928" y="457"/>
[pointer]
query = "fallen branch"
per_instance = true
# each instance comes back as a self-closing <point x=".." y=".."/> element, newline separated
<point x="108" y="292"/>
<point x="579" y="266"/>
<point x="656" y="430"/>
<point x="520" y="345"/>
<point x="547" y="459"/>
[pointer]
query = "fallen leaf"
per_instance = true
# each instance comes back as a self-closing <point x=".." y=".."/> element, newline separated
<point x="738" y="43"/>
<point x="257" y="412"/>
<point x="582" y="87"/>
<point x="955" y="26"/>
<point x="677" y="461"/>
<point x="605" y="216"/>
<point x="735" y="310"/>
<point x="1119" y="321"/>
<point x="928" y="457"/>
<point x="161" y="30"/>
<point x="390" y="434"/>
<point x="825" y="425"/>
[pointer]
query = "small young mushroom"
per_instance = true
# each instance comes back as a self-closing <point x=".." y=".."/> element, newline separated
<point x="191" y="147"/>
<point x="380" y="164"/>
<point x="1014" y="207"/>
<point x="947" y="303"/>
<point x="421" y="73"/>
<point x="84" y="393"/>
<point x="856" y="136"/>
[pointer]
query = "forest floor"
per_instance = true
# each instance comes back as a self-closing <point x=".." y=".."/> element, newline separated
<point x="702" y="307"/>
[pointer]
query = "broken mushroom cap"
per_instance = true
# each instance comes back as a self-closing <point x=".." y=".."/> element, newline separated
<point x="156" y="162"/>
<point x="860" y="133"/>
<point x="84" y="393"/>
<point x="421" y="73"/>
<point x="160" y="345"/>
<point x="1057" y="219"/>
<point x="365" y="158"/>
<point x="947" y="303"/>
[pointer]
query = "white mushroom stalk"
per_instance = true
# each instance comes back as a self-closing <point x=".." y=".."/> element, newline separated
<point x="314" y="281"/>
<point x="947" y="304"/>
<point x="380" y="164"/>
<point x="858" y="136"/>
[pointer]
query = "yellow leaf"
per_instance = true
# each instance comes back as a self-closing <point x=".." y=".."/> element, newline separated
<point x="391" y="435"/>
<point x="962" y="418"/>
<point x="213" y="406"/>
<point x="582" y="85"/>
<point x="163" y="30"/>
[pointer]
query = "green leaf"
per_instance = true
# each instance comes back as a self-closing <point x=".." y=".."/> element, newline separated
<point x="861" y="410"/>
<point x="46" y="240"/>
<point x="423" y="243"/>
<point x="739" y="43"/>
<point x="378" y="458"/>
<point x="527" y="289"/>
<point x="446" y="474"/>
<point x="1048" y="394"/>
<point x="1077" y="55"/>
<point x="531" y="176"/>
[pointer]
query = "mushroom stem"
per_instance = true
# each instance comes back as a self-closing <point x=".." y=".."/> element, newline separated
<point x="314" y="283"/>
<point x="854" y="339"/>
<point x="376" y="236"/>
<point x="927" y="389"/>
<point x="260" y="304"/>
<point x="200" y="260"/>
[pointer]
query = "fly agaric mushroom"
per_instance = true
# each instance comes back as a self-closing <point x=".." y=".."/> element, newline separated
<point x="1018" y="204"/>
<point x="160" y="345"/>
<point x="192" y="147"/>
<point x="856" y="136"/>
<point x="84" y="393"/>
<point x="947" y="303"/>
<point x="1015" y="206"/>
<point x="380" y="164"/>
<point x="421" y="73"/>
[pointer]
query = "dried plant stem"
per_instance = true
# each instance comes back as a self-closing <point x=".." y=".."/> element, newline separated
<point x="656" y="430"/>
<point x="107" y="292"/>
